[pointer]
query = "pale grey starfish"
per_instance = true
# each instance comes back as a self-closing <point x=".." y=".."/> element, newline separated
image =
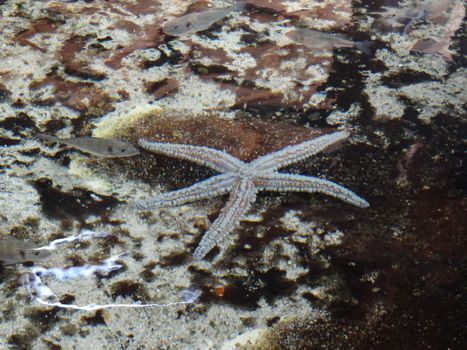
<point x="243" y="180"/>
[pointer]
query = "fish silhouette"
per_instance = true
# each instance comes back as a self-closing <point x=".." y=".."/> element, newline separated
<point x="13" y="251"/>
<point x="100" y="147"/>
<point x="198" y="21"/>
<point x="324" y="41"/>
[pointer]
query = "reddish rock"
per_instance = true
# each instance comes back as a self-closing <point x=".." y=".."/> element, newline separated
<point x="84" y="97"/>
<point x="40" y="26"/>
<point x="74" y="66"/>
<point x="151" y="36"/>
<point x="161" y="88"/>
<point x="142" y="7"/>
<point x="245" y="139"/>
<point x="276" y="6"/>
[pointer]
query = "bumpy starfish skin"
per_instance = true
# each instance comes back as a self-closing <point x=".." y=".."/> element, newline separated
<point x="243" y="181"/>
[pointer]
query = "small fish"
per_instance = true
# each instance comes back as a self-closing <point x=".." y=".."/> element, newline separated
<point x="439" y="48"/>
<point x="13" y="251"/>
<point x="436" y="12"/>
<point x="430" y="11"/>
<point x="415" y="16"/>
<point x="323" y="41"/>
<point x="109" y="148"/>
<point x="198" y="21"/>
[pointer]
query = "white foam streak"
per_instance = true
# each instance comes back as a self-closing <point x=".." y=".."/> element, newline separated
<point x="85" y="234"/>
<point x="62" y="274"/>
<point x="92" y="307"/>
<point x="40" y="292"/>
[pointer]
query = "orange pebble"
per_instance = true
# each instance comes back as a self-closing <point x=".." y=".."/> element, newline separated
<point x="219" y="291"/>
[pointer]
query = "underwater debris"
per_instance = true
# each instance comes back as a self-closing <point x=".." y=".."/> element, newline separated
<point x="63" y="274"/>
<point x="191" y="294"/>
<point x="243" y="181"/>
<point x="198" y="21"/>
<point x="107" y="148"/>
<point x="13" y="251"/>
<point x="41" y="293"/>
<point x="84" y="234"/>
<point x="219" y="291"/>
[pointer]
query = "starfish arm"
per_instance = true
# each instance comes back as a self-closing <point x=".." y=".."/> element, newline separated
<point x="292" y="154"/>
<point x="242" y="196"/>
<point x="209" y="157"/>
<point x="286" y="182"/>
<point x="214" y="186"/>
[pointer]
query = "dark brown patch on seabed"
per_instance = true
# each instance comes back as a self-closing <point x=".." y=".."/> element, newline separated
<point x="78" y="203"/>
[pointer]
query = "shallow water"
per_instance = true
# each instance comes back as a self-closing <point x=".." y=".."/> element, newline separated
<point x="301" y="271"/>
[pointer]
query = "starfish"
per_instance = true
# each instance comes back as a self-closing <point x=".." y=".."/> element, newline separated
<point x="243" y="181"/>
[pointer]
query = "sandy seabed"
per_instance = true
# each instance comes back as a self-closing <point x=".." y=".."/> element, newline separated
<point x="302" y="271"/>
